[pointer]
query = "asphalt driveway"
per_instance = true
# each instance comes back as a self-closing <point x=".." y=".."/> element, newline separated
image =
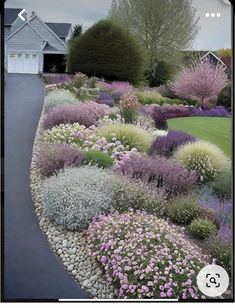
<point x="31" y="270"/>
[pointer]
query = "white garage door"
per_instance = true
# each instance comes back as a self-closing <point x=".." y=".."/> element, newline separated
<point x="26" y="63"/>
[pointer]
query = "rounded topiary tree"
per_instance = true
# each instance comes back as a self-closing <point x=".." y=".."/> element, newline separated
<point x="107" y="50"/>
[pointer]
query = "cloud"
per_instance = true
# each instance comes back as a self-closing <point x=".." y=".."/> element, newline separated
<point x="215" y="32"/>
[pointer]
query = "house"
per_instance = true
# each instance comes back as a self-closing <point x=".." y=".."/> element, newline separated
<point x="34" y="46"/>
<point x="212" y="57"/>
<point x="190" y="55"/>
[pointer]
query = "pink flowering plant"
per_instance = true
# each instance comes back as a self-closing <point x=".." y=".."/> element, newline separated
<point x="128" y="107"/>
<point x="201" y="80"/>
<point x="145" y="257"/>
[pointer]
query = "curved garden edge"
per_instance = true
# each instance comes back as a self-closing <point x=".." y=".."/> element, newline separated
<point x="70" y="247"/>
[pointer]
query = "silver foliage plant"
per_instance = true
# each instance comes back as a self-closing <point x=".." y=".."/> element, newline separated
<point x="75" y="196"/>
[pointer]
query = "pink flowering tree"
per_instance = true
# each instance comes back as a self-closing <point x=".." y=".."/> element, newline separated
<point x="201" y="80"/>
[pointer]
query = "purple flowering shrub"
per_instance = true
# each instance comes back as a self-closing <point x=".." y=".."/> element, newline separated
<point x="145" y="256"/>
<point x="214" y="112"/>
<point x="106" y="99"/>
<point x="166" y="145"/>
<point x="51" y="158"/>
<point x="222" y="208"/>
<point x="86" y="114"/>
<point x="57" y="78"/>
<point x="160" y="172"/>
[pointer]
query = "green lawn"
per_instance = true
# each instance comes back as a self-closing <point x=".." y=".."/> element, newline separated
<point x="215" y="130"/>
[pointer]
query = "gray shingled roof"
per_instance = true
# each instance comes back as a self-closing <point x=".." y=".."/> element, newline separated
<point x="10" y="16"/>
<point x="61" y="29"/>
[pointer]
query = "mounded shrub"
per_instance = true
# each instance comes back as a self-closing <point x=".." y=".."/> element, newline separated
<point x="101" y="160"/>
<point x="128" y="134"/>
<point x="74" y="196"/>
<point x="202" y="228"/>
<point x="51" y="158"/>
<point x="106" y="99"/>
<point x="203" y="157"/>
<point x="64" y="133"/>
<point x="183" y="210"/>
<point x="159" y="172"/>
<point x="139" y="253"/>
<point x="225" y="97"/>
<point x="86" y="114"/>
<point x="137" y="195"/>
<point x="107" y="50"/>
<point x="58" y="98"/>
<point x="166" y="145"/>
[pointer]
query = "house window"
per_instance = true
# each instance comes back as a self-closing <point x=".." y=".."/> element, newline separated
<point x="12" y="55"/>
<point x="19" y="55"/>
<point x="34" y="56"/>
<point x="26" y="56"/>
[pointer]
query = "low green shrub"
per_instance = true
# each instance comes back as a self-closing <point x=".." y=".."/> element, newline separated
<point x="101" y="160"/>
<point x="128" y="134"/>
<point x="225" y="97"/>
<point x="222" y="185"/>
<point x="183" y="210"/>
<point x="205" y="158"/>
<point x="222" y="252"/>
<point x="202" y="228"/>
<point x="150" y="97"/>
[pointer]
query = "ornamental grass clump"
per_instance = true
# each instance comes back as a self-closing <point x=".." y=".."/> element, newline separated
<point x="86" y="114"/>
<point x="183" y="209"/>
<point x="166" y="145"/>
<point x="202" y="228"/>
<point x="76" y="195"/>
<point x="160" y="172"/>
<point x="203" y="157"/>
<point x="128" y="134"/>
<point x="58" y="98"/>
<point x="150" y="97"/>
<point x="51" y="158"/>
<point x="145" y="257"/>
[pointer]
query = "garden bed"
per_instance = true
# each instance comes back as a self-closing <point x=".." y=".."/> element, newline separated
<point x="131" y="211"/>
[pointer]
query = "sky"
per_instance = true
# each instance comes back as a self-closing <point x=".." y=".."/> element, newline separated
<point x="215" y="33"/>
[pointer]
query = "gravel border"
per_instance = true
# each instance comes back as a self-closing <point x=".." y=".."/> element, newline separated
<point x="69" y="246"/>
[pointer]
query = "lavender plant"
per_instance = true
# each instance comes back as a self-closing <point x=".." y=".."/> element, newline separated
<point x="86" y="114"/>
<point x="166" y="145"/>
<point x="51" y="158"/>
<point x="160" y="172"/>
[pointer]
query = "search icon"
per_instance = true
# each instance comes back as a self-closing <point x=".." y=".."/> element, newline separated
<point x="212" y="280"/>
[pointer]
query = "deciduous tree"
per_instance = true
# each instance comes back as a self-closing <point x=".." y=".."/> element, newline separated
<point x="201" y="80"/>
